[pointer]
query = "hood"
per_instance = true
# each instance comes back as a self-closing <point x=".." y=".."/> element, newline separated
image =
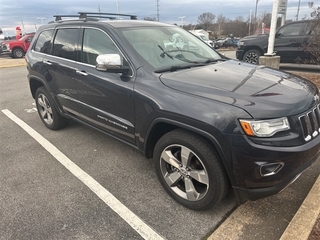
<point x="261" y="91"/>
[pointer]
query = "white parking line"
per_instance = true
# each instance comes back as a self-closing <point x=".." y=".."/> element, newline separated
<point x="126" y="214"/>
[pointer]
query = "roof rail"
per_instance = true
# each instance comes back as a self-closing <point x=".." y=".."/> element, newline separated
<point x="59" y="17"/>
<point x="87" y="15"/>
<point x="98" y="14"/>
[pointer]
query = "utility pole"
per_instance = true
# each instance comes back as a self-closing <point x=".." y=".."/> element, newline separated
<point x="255" y="16"/>
<point x="158" y="10"/>
<point x="298" y="11"/>
<point x="250" y="22"/>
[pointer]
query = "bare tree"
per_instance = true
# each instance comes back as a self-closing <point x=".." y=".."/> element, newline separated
<point x="220" y="21"/>
<point x="313" y="44"/>
<point x="206" y="20"/>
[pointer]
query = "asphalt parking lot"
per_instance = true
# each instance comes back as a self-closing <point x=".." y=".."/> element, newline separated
<point x="77" y="183"/>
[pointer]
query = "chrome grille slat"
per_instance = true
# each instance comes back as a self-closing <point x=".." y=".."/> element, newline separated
<point x="310" y="123"/>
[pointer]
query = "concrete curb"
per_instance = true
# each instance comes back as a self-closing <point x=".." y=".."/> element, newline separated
<point x="299" y="227"/>
<point x="12" y="62"/>
<point x="303" y="221"/>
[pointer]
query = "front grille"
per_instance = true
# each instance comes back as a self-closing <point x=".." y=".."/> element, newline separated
<point x="310" y="122"/>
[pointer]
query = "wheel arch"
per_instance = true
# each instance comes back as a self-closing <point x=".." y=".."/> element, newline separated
<point x="255" y="47"/>
<point x="34" y="84"/>
<point x="161" y="126"/>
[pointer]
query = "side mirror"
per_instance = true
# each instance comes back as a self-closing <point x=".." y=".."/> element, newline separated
<point x="111" y="63"/>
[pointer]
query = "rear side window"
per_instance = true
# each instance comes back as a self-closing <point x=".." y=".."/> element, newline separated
<point x="43" y="43"/>
<point x="65" y="43"/>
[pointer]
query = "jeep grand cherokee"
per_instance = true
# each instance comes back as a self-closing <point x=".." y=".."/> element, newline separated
<point x="208" y="122"/>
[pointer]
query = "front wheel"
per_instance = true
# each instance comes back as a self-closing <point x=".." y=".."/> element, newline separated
<point x="252" y="56"/>
<point x="17" y="53"/>
<point x="47" y="111"/>
<point x="189" y="170"/>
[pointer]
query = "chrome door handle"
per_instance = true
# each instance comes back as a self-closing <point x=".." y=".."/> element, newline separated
<point x="47" y="62"/>
<point x="83" y="73"/>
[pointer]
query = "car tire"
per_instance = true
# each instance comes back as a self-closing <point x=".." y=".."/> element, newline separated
<point x="47" y="110"/>
<point x="17" y="53"/>
<point x="252" y="56"/>
<point x="198" y="181"/>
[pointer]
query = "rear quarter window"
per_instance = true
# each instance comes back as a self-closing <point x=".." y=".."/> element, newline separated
<point x="43" y="42"/>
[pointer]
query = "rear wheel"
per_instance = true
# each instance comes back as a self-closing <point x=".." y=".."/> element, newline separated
<point x="17" y="53"/>
<point x="47" y="111"/>
<point x="189" y="170"/>
<point x="252" y="56"/>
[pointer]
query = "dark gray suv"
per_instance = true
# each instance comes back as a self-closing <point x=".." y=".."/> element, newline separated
<point x="209" y="123"/>
<point x="289" y="44"/>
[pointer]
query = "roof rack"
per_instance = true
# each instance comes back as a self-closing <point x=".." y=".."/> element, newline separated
<point x="87" y="15"/>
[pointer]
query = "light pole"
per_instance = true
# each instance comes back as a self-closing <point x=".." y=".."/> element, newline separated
<point x="181" y="19"/>
<point x="41" y="18"/>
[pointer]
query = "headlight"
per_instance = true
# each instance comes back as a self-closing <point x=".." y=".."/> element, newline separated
<point x="240" y="43"/>
<point x="264" y="128"/>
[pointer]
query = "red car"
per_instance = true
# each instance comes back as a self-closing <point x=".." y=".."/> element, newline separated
<point x="17" y="48"/>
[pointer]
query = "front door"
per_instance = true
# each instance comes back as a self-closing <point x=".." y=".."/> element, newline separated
<point x="105" y="99"/>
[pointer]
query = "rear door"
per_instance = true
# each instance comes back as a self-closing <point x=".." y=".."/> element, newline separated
<point x="59" y="68"/>
<point x="288" y="42"/>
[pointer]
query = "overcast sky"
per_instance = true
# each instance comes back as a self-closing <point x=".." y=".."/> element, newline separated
<point x="32" y="13"/>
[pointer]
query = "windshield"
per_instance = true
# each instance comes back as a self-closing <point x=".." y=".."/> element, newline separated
<point x="164" y="47"/>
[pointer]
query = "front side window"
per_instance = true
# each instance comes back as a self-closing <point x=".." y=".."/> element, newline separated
<point x="290" y="30"/>
<point x="65" y="43"/>
<point x="43" y="42"/>
<point x="96" y="42"/>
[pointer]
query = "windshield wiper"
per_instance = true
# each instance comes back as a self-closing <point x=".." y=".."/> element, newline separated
<point x="178" y="67"/>
<point x="215" y="60"/>
<point x="164" y="53"/>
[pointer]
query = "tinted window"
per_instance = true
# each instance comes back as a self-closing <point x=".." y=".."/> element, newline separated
<point x="43" y="42"/>
<point x="65" y="43"/>
<point x="290" y="30"/>
<point x="96" y="42"/>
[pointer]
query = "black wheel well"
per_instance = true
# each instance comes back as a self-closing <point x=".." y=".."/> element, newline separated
<point x="155" y="134"/>
<point x="34" y="85"/>
<point x="162" y="128"/>
<point x="17" y="47"/>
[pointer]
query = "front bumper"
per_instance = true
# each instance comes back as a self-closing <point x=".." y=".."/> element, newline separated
<point x="239" y="54"/>
<point x="249" y="158"/>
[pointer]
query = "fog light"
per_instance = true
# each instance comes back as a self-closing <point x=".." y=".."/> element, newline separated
<point x="270" y="169"/>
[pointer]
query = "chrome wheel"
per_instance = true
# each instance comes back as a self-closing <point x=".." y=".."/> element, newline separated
<point x="189" y="170"/>
<point x="45" y="109"/>
<point x="184" y="172"/>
